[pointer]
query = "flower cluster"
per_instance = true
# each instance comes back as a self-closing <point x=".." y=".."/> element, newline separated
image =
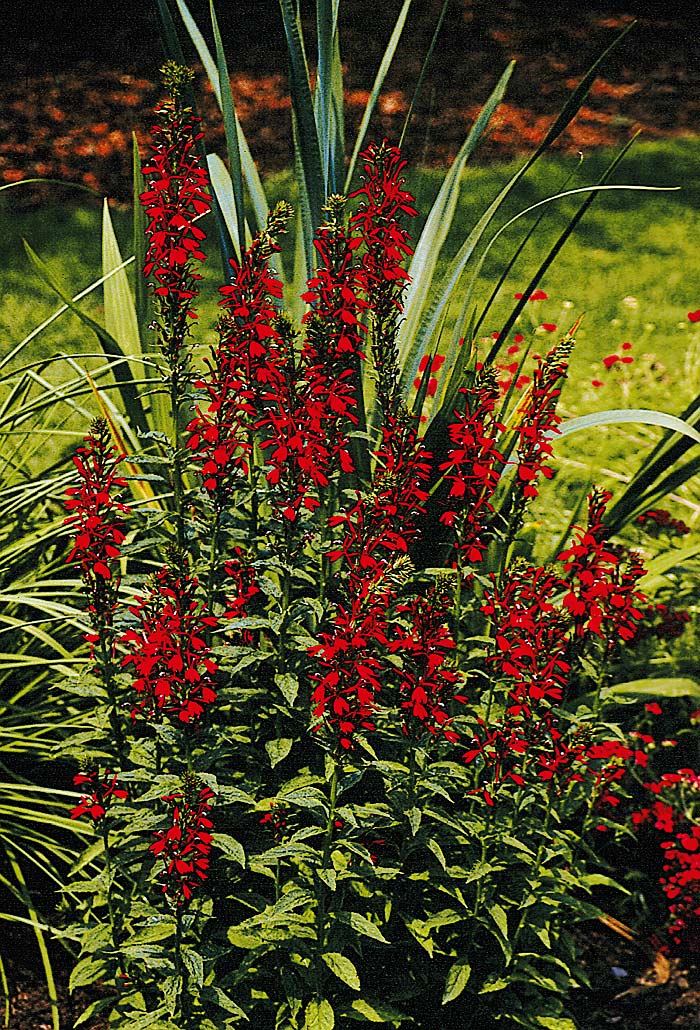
<point x="175" y="197"/>
<point x="96" y="517"/>
<point x="602" y="596"/>
<point x="101" y="790"/>
<point x="472" y="469"/>
<point x="658" y="520"/>
<point x="538" y="419"/>
<point x="662" y="622"/>
<point x="167" y="650"/>
<point x="674" y="813"/>
<point x="185" y="846"/>
<point x="427" y="685"/>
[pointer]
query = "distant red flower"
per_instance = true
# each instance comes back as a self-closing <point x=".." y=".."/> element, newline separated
<point x="185" y="846"/>
<point x="549" y="327"/>
<point x="694" y="316"/>
<point x="537" y="295"/>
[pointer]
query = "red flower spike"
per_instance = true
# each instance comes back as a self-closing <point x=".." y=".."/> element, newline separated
<point x="96" y="517"/>
<point x="174" y="674"/>
<point x="540" y="420"/>
<point x="185" y="846"/>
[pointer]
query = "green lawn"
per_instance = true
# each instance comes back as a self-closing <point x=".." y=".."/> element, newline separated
<point x="631" y="266"/>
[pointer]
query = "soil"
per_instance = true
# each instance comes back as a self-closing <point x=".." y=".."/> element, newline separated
<point x="80" y="79"/>
<point x="633" y="987"/>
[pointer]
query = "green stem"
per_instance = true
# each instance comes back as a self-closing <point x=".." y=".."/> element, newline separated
<point x="178" y="493"/>
<point x="114" y="928"/>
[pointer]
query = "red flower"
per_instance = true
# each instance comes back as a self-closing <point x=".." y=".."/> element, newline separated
<point x="168" y="651"/>
<point x="602" y="595"/>
<point x="549" y="327"/>
<point x="185" y="846"/>
<point x="694" y="316"/>
<point x="540" y="420"/>
<point x="102" y="791"/>
<point x="97" y="520"/>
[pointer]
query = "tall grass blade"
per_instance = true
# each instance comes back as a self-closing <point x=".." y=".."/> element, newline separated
<point x="120" y="311"/>
<point x="376" y="90"/>
<point x="37" y="926"/>
<point x="230" y="128"/>
<point x="424" y="68"/>
<point x="250" y="172"/>
<point x="446" y="291"/>
<point x="142" y="300"/>
<point x="307" y="145"/>
<point x="615" y="416"/>
<point x="130" y="396"/>
<point x="437" y="227"/>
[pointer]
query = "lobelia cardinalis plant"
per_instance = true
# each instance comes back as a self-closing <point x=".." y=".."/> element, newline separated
<point x="330" y="779"/>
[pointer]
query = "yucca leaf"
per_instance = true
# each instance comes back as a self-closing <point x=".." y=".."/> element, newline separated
<point x="230" y="127"/>
<point x="615" y="416"/>
<point x="307" y="147"/>
<point x="120" y="313"/>
<point x="38" y="931"/>
<point x="223" y="187"/>
<point x="250" y="171"/>
<point x="435" y="232"/>
<point x="672" y="686"/>
<point x="663" y="563"/>
<point x="130" y="397"/>
<point x="376" y="90"/>
<point x="635" y="502"/>
<point x="446" y="290"/>
<point x="328" y="95"/>
<point x="424" y="67"/>
<point x="140" y="221"/>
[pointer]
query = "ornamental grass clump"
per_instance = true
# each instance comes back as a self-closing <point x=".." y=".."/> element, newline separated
<point x="348" y="750"/>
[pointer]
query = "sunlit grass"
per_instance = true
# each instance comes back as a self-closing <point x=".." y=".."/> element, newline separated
<point x="628" y="267"/>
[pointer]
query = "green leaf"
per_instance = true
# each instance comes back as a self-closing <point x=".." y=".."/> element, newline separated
<point x="500" y="919"/>
<point x="120" y="312"/>
<point x="414" y="819"/>
<point x="307" y="153"/>
<point x="556" y="1023"/>
<point x="159" y="931"/>
<point x="433" y="846"/>
<point x="376" y="90"/>
<point x="434" y="235"/>
<point x="645" y="416"/>
<point x="87" y="971"/>
<point x="319" y="1015"/>
<point x="230" y="128"/>
<point x="195" y="965"/>
<point x="373" y="1012"/>
<point x="496" y="984"/>
<point x="457" y="980"/>
<point x="252" y="177"/>
<point x="289" y="685"/>
<point x="663" y="687"/>
<point x="230" y="847"/>
<point x="92" y="1010"/>
<point x="363" y="925"/>
<point x="278" y="750"/>
<point x="118" y="364"/>
<point x="343" y="968"/>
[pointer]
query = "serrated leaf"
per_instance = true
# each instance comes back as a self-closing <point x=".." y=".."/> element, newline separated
<point x="433" y="846"/>
<point x="87" y="971"/>
<point x="92" y="1010"/>
<point x="230" y="847"/>
<point x="414" y="818"/>
<point x="364" y="926"/>
<point x="150" y="934"/>
<point x="493" y="985"/>
<point x="457" y="980"/>
<point x="373" y="1012"/>
<point x="329" y="878"/>
<point x="195" y="965"/>
<point x="278" y="750"/>
<point x="343" y="968"/>
<point x="289" y="685"/>
<point x="319" y="1015"/>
